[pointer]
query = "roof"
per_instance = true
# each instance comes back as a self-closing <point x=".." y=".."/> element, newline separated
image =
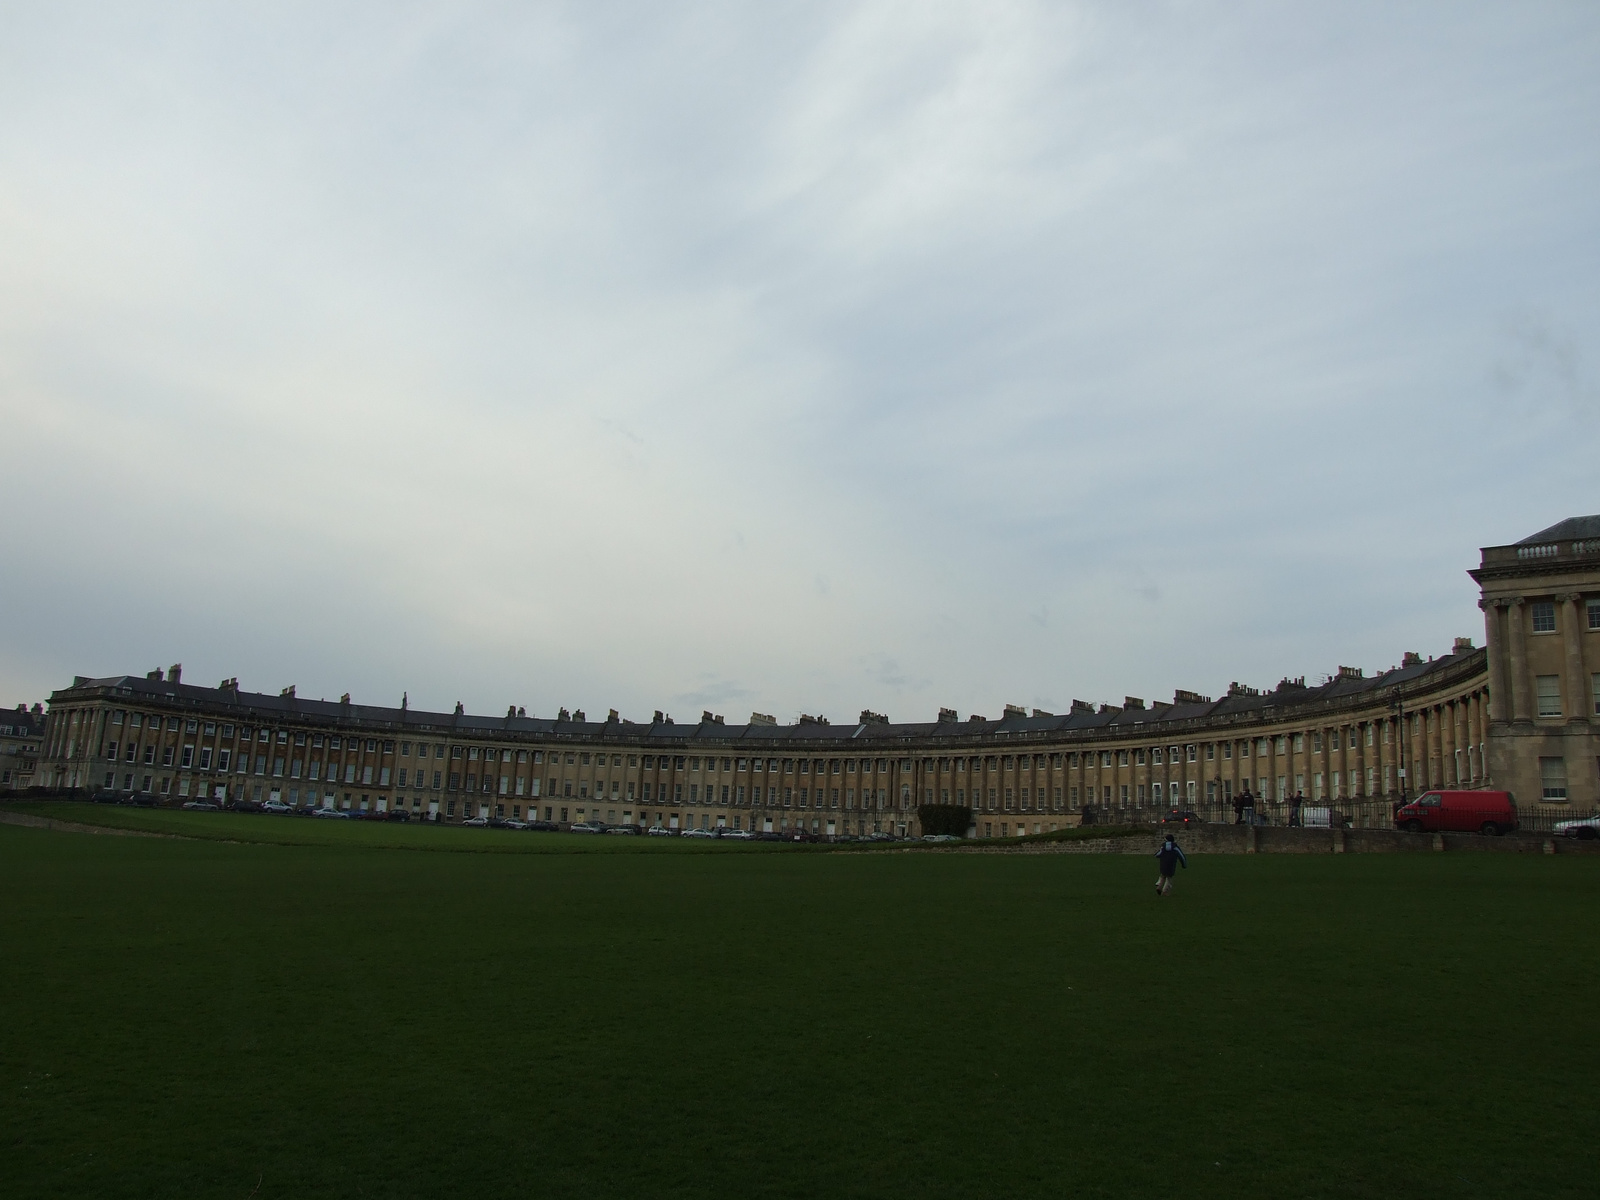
<point x="887" y="737"/>
<point x="21" y="722"/>
<point x="1572" y="529"/>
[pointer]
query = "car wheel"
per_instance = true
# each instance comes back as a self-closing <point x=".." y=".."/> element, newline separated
<point x="1588" y="832"/>
<point x="1413" y="826"/>
<point x="1490" y="829"/>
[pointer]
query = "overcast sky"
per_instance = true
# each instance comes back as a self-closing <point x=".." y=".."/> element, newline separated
<point x="784" y="357"/>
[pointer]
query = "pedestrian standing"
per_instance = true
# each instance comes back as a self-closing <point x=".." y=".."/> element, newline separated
<point x="1169" y="858"/>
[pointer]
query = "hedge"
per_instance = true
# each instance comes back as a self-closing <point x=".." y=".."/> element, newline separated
<point x="953" y="819"/>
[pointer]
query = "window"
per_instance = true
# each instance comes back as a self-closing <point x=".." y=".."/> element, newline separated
<point x="1594" y="686"/>
<point x="1549" y="694"/>
<point x="1594" y="614"/>
<point x="1553" y="778"/>
<point x="1544" y="616"/>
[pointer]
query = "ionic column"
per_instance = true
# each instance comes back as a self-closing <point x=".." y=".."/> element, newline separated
<point x="1480" y="724"/>
<point x="1380" y="756"/>
<point x="1578" y="700"/>
<point x="1521" y="702"/>
<point x="1448" y="762"/>
<point x="1495" y="651"/>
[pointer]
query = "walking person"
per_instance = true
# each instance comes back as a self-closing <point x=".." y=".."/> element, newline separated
<point x="1295" y="802"/>
<point x="1169" y="859"/>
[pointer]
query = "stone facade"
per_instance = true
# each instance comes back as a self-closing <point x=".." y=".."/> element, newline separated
<point x="1463" y="719"/>
<point x="21" y="736"/>
<point x="1541" y="607"/>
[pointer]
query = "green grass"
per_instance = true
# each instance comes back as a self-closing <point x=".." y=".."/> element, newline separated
<point x="190" y="1017"/>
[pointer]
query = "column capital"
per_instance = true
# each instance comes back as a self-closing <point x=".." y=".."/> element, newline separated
<point x="1569" y="598"/>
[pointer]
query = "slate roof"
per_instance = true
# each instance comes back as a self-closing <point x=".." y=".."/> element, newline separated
<point x="1575" y="529"/>
<point x="21" y="722"/>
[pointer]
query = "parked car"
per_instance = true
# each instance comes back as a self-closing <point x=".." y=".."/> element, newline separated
<point x="516" y="824"/>
<point x="203" y="805"/>
<point x="476" y="822"/>
<point x="1582" y="827"/>
<point x="276" y="806"/>
<point x="586" y="827"/>
<point x="543" y="827"/>
<point x="700" y="833"/>
<point x="940" y="837"/>
<point x="332" y="814"/>
<point x="660" y="831"/>
<point x="145" y="800"/>
<point x="1492" y="813"/>
<point x="1181" y="816"/>
<point x="739" y="835"/>
<point x="623" y="829"/>
<point x="398" y="814"/>
<point x="245" y="806"/>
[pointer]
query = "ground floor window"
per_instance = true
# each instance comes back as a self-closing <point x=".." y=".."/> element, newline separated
<point x="1553" y="778"/>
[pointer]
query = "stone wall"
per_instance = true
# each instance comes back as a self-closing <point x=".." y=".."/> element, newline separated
<point x="1266" y="839"/>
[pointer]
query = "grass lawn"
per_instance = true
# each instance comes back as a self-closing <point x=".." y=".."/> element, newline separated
<point x="208" y="1018"/>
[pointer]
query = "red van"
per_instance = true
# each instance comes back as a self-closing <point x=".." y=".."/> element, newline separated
<point x="1459" y="812"/>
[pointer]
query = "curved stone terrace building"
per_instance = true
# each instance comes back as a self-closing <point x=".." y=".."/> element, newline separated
<point x="1519" y="714"/>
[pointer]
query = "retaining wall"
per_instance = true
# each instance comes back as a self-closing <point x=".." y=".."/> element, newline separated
<point x="1269" y="839"/>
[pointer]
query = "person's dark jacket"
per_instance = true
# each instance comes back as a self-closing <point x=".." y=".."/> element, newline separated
<point x="1171" y="857"/>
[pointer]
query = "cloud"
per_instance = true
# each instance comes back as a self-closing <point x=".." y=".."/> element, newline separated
<point x="816" y="357"/>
